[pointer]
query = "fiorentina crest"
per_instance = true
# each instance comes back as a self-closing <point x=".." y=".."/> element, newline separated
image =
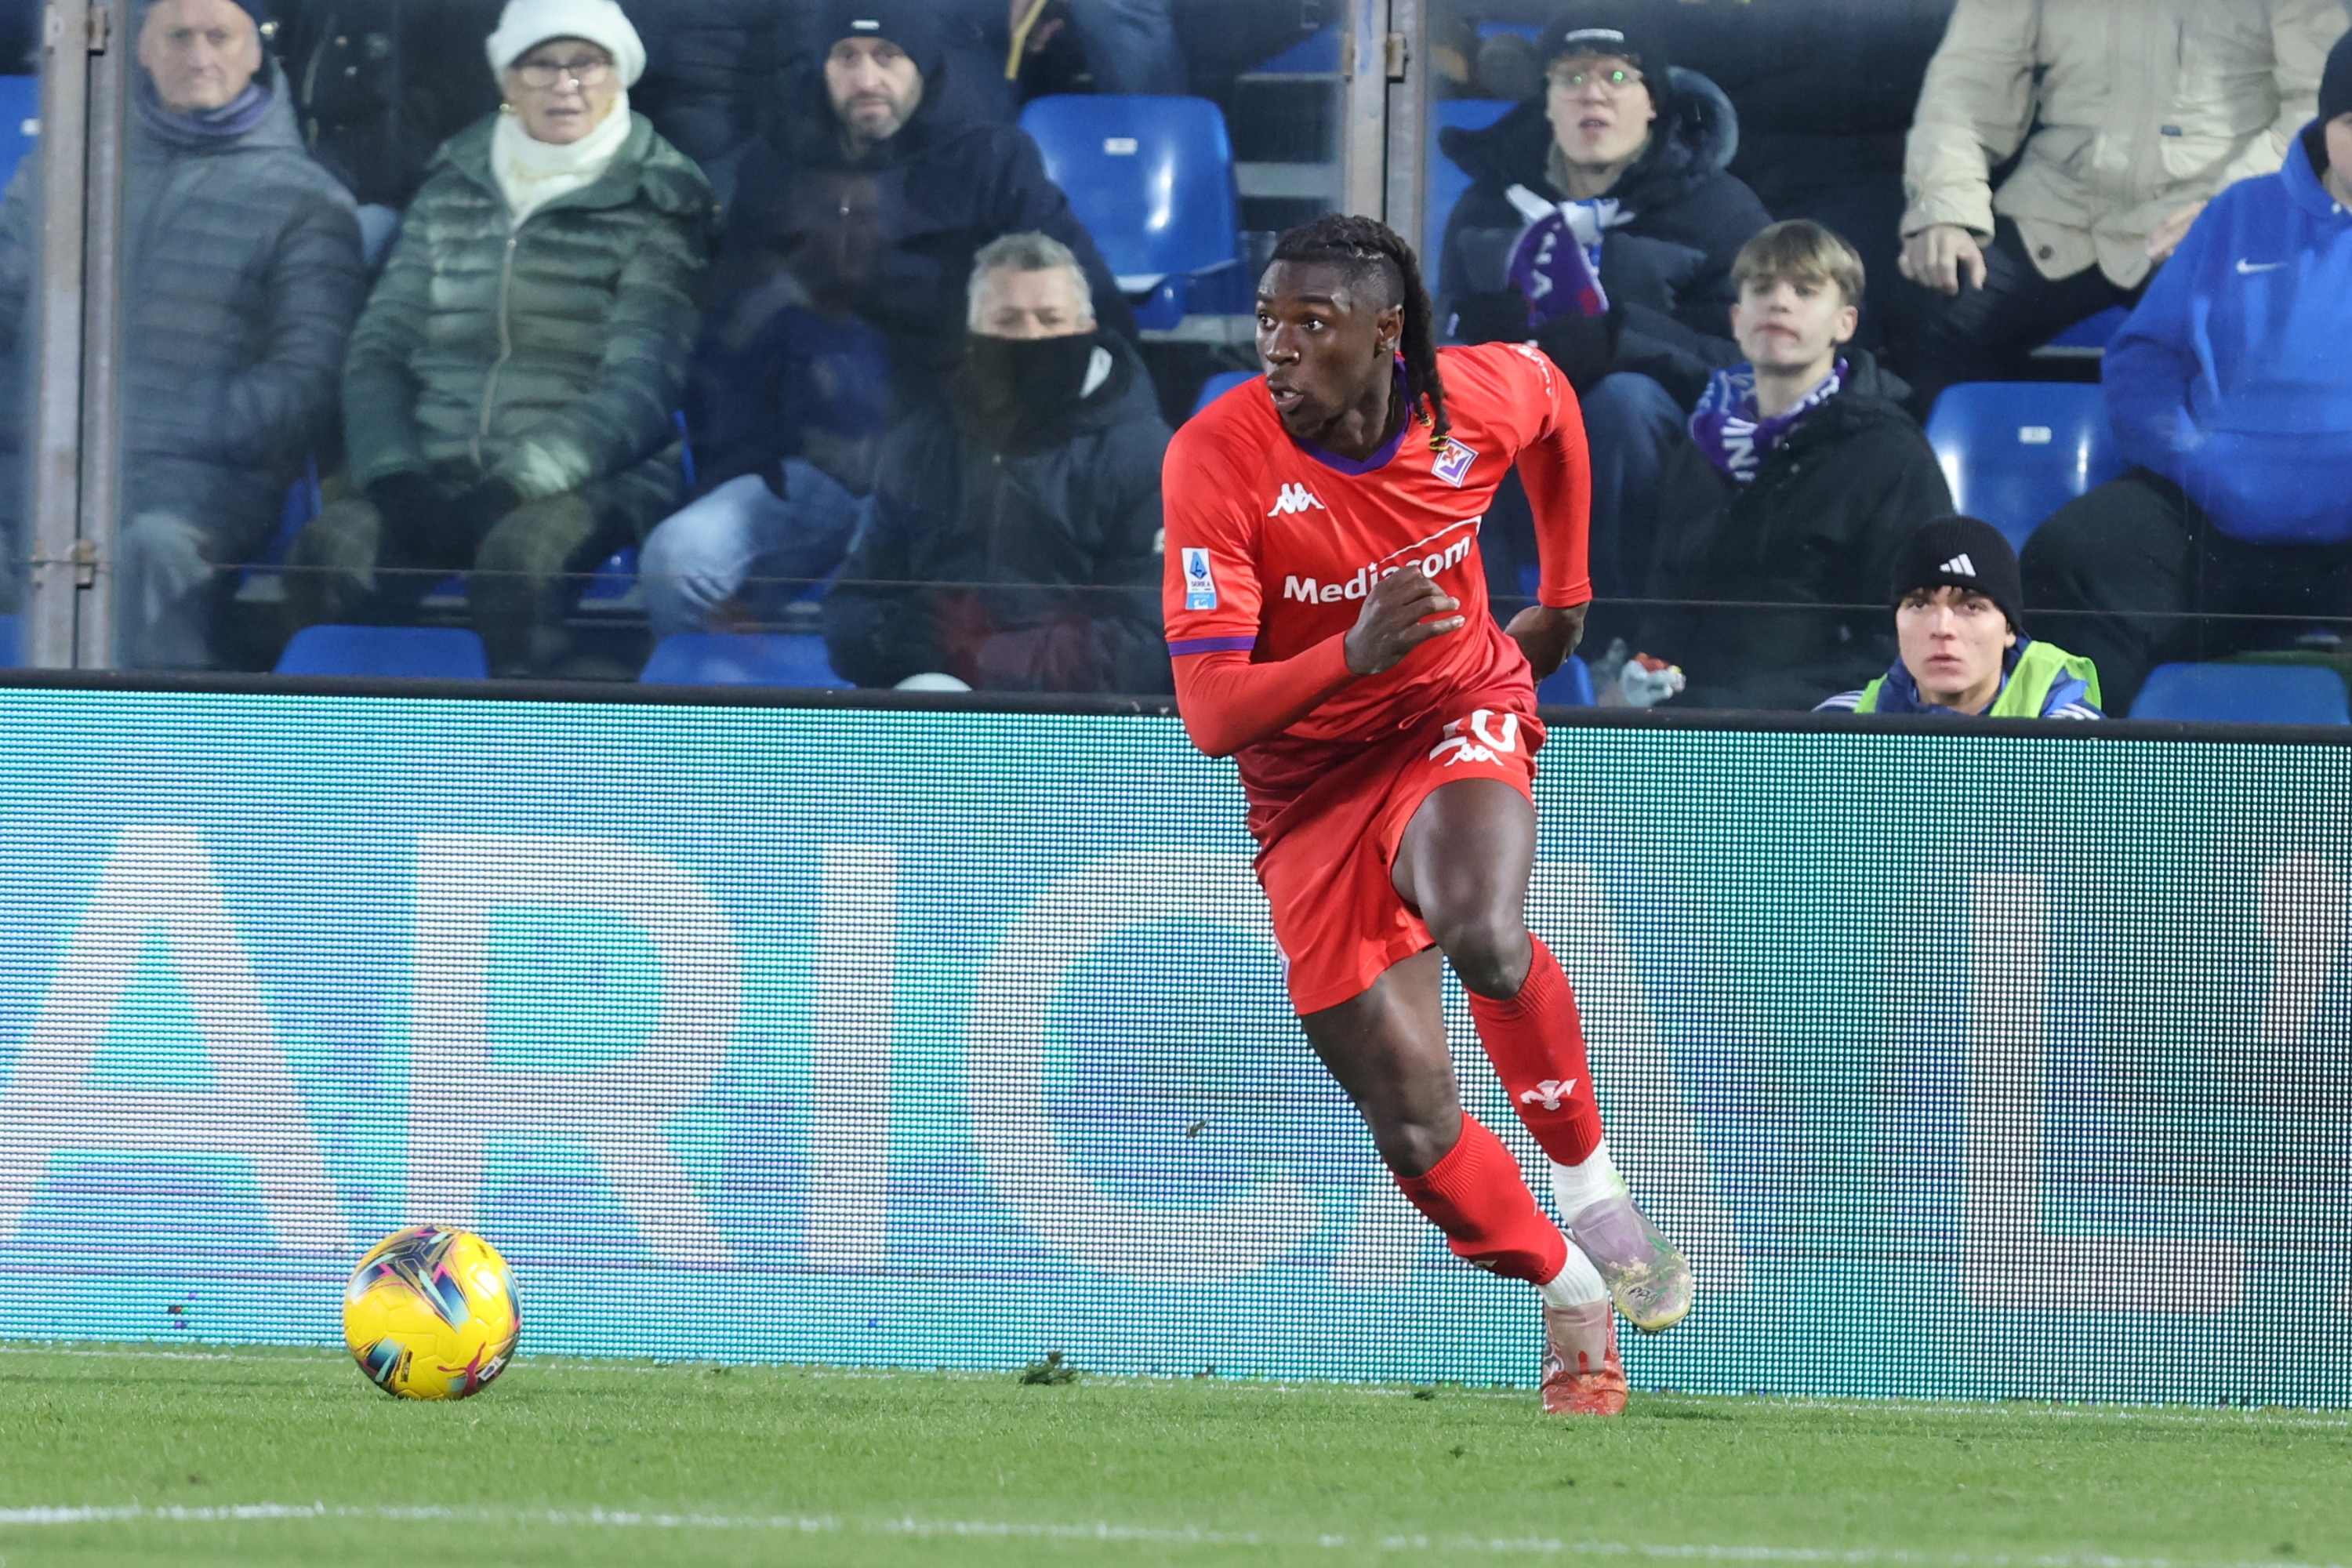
<point x="1452" y="463"/>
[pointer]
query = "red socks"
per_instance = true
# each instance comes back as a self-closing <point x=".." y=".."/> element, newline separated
<point x="1537" y="1047"/>
<point x="1477" y="1197"/>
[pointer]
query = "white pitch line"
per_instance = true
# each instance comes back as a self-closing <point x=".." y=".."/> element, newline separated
<point x="1098" y="1530"/>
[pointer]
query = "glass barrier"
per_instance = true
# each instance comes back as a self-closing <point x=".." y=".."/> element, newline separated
<point x="428" y="367"/>
<point x="412" y="346"/>
<point x="22" y="268"/>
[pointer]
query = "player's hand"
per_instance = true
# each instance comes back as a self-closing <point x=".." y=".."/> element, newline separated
<point x="1942" y="254"/>
<point x="2166" y="237"/>
<point x="1404" y="611"/>
<point x="1548" y="636"/>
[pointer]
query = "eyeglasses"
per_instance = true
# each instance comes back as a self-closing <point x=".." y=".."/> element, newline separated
<point x="1609" y="81"/>
<point x="547" y="73"/>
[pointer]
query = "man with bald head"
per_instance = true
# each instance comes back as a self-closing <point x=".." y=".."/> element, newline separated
<point x="241" y="279"/>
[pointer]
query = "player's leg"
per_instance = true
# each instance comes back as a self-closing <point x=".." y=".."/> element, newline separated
<point x="1387" y="1050"/>
<point x="1464" y="863"/>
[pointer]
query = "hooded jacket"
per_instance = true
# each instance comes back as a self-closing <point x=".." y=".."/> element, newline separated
<point x="1062" y="540"/>
<point x="889" y="238"/>
<point x="1667" y="270"/>
<point x="550" y="355"/>
<point x="1818" y="525"/>
<point x="2126" y="110"/>
<point x="241" y="278"/>
<point x="2233" y="378"/>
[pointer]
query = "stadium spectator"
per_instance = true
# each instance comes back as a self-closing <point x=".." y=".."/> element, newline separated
<point x="2231" y="391"/>
<point x="1801" y="478"/>
<point x="1601" y="224"/>
<point x="1824" y="90"/>
<point x="1960" y="638"/>
<point x="380" y="84"/>
<point x="511" y="396"/>
<point x="853" y="231"/>
<point x="1017" y="546"/>
<point x="241" y="279"/>
<point x="2126" y="116"/>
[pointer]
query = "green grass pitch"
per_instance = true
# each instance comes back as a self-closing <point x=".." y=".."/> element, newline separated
<point x="133" y="1456"/>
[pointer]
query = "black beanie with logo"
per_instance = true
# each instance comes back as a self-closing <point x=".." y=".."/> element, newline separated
<point x="1612" y="29"/>
<point x="1960" y="552"/>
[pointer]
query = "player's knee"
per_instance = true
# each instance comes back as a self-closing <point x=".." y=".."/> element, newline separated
<point x="1489" y="950"/>
<point x="1413" y="1147"/>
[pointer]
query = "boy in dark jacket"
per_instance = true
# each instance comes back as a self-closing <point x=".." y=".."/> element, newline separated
<point x="1601" y="224"/>
<point x="1799" y="477"/>
<point x="1017" y="546"/>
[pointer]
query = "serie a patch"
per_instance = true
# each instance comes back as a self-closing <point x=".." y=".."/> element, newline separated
<point x="1200" y="582"/>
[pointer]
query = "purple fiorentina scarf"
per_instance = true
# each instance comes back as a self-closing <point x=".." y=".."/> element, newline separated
<point x="1726" y="428"/>
<point x="249" y="108"/>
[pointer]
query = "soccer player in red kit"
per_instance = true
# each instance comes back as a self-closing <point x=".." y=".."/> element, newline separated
<point x="1327" y="612"/>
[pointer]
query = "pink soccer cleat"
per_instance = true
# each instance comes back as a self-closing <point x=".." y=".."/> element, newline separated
<point x="1645" y="1273"/>
<point x="1581" y="1373"/>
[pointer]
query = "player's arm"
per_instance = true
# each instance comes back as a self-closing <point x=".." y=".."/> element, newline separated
<point x="1228" y="702"/>
<point x="1556" y="470"/>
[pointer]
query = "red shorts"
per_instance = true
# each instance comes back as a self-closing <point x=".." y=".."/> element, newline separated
<point x="1328" y="872"/>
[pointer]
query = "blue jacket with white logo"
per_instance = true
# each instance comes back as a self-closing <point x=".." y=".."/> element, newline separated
<point x="2233" y="378"/>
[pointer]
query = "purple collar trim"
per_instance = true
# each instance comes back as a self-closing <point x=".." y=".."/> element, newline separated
<point x="1379" y="459"/>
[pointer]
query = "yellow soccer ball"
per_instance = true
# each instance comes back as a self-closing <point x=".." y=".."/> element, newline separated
<point x="430" y="1313"/>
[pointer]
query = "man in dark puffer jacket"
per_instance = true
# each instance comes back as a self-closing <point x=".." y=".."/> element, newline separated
<point x="1637" y="152"/>
<point x="1800" y="479"/>
<point x="1017" y="546"/>
<point x="242" y="279"/>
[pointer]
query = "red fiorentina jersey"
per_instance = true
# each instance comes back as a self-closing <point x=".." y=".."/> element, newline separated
<point x="1273" y="546"/>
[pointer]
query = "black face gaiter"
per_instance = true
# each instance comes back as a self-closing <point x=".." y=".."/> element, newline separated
<point x="1022" y="392"/>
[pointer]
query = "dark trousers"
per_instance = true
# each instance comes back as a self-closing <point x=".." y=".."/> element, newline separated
<point x="1990" y="334"/>
<point x="2133" y="574"/>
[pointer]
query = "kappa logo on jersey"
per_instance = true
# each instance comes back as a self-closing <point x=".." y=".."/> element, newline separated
<point x="1960" y="566"/>
<point x="1453" y="462"/>
<point x="1294" y="499"/>
<point x="1482" y="745"/>
<point x="1200" y="582"/>
<point x="1549" y="1093"/>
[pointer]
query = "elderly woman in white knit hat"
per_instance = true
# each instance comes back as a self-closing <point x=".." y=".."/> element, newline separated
<point x="510" y="400"/>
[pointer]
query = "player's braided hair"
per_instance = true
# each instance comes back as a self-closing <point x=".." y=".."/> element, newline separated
<point x="1364" y="247"/>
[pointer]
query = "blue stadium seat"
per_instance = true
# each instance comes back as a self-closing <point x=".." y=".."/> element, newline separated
<point x="20" y="121"/>
<point x="2092" y="333"/>
<point x="1221" y="383"/>
<point x="1570" y="686"/>
<point x="1447" y="183"/>
<point x="2015" y="452"/>
<point x="613" y="579"/>
<point x="1317" y="54"/>
<point x="754" y="658"/>
<point x="1152" y="179"/>
<point x="2245" y="694"/>
<point x="422" y="653"/>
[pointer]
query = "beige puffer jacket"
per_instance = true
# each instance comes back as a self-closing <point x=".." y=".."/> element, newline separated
<point x="2136" y="109"/>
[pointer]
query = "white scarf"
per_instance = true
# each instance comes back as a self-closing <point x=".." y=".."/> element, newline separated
<point x="531" y="173"/>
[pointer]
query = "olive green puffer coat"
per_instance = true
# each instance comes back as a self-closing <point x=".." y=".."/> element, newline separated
<point x="551" y="356"/>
